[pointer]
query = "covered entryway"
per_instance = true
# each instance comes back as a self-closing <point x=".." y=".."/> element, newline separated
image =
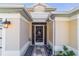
<point x="42" y="31"/>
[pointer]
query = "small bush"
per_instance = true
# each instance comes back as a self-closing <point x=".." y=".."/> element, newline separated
<point x="65" y="52"/>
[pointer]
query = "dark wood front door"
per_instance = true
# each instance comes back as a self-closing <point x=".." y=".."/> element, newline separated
<point x="39" y="34"/>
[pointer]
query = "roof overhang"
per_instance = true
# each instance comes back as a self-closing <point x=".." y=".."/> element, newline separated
<point x="66" y="13"/>
<point x="15" y="8"/>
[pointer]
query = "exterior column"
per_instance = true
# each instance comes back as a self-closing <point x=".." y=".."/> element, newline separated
<point x="52" y="18"/>
<point x="53" y="43"/>
<point x="78" y="36"/>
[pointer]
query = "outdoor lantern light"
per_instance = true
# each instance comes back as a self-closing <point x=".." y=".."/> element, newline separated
<point x="6" y="23"/>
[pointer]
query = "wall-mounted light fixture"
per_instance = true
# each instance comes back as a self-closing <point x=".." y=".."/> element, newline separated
<point x="6" y="23"/>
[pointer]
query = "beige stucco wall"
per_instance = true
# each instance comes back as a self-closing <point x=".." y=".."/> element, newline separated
<point x="66" y="32"/>
<point x="73" y="33"/>
<point x="24" y="32"/>
<point x="30" y="30"/>
<point x="50" y="31"/>
<point x="12" y="35"/>
<point x="17" y="35"/>
<point x="62" y="33"/>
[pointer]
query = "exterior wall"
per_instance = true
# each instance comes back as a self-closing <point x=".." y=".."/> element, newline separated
<point x="24" y="35"/>
<point x="10" y="40"/>
<point x="73" y="34"/>
<point x="16" y="37"/>
<point x="12" y="35"/>
<point x="24" y="31"/>
<point x="30" y="31"/>
<point x="66" y="33"/>
<point x="62" y="32"/>
<point x="50" y="32"/>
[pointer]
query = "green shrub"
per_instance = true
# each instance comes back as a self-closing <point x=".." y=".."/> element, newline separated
<point x="65" y="52"/>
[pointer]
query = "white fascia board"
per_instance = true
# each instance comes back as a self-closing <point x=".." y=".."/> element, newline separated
<point x="73" y="10"/>
<point x="9" y="15"/>
<point x="56" y="12"/>
<point x="11" y="5"/>
<point x="65" y="12"/>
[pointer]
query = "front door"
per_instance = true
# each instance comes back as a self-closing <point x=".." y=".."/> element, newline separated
<point x="39" y="34"/>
